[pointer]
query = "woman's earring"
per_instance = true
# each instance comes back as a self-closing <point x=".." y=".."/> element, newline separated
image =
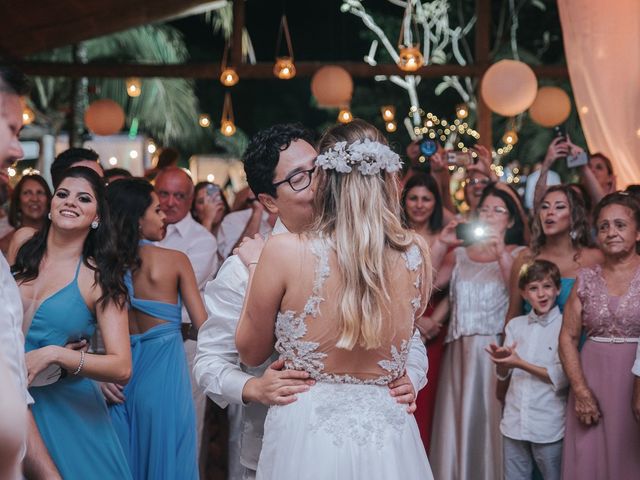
<point x="49" y="215"/>
<point x="95" y="224"/>
<point x="573" y="234"/>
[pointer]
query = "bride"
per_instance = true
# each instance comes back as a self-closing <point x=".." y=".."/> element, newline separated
<point x="340" y="302"/>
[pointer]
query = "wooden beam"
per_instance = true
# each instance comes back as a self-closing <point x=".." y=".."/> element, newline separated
<point x="262" y="70"/>
<point x="482" y="52"/>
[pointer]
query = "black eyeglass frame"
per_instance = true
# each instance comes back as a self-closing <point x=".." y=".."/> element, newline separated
<point x="309" y="173"/>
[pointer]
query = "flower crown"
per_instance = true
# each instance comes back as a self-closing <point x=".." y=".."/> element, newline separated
<point x="369" y="157"/>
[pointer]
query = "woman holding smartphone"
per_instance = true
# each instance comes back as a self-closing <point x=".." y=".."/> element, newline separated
<point x="466" y="440"/>
<point x="209" y="206"/>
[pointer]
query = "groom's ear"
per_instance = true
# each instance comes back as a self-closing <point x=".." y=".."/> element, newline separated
<point x="269" y="203"/>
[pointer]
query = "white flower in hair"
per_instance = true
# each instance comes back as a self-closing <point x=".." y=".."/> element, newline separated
<point x="369" y="157"/>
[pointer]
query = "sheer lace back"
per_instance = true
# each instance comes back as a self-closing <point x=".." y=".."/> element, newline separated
<point x="604" y="315"/>
<point x="307" y="335"/>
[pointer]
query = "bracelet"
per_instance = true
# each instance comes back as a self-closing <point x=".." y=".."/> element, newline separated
<point x="252" y="263"/>
<point x="81" y="363"/>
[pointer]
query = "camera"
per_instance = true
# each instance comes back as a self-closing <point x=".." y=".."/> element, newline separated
<point x="471" y="232"/>
<point x="461" y="159"/>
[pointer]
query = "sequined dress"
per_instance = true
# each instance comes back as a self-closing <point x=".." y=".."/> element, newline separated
<point x="347" y="426"/>
<point x="610" y="449"/>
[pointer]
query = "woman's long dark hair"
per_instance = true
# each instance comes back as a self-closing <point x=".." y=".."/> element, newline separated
<point x="98" y="252"/>
<point x="428" y="182"/>
<point x="514" y="234"/>
<point x="15" y="209"/>
<point x="128" y="199"/>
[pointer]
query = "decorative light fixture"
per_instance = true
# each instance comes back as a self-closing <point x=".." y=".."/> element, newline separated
<point x="28" y="115"/>
<point x="345" y="115"/>
<point x="204" y="120"/>
<point x="388" y="113"/>
<point x="510" y="137"/>
<point x="391" y="126"/>
<point x="410" y="57"/>
<point x="228" y="76"/>
<point x="227" y="127"/>
<point x="462" y="111"/>
<point x="134" y="86"/>
<point x="284" y="67"/>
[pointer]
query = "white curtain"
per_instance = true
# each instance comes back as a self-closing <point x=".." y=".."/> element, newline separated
<point x="602" y="48"/>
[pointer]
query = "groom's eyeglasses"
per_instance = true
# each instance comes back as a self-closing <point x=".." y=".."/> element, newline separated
<point x="298" y="181"/>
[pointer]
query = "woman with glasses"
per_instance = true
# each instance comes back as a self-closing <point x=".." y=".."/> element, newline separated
<point x="561" y="235"/>
<point x="466" y="442"/>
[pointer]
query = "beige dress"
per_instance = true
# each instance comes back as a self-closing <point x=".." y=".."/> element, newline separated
<point x="347" y="426"/>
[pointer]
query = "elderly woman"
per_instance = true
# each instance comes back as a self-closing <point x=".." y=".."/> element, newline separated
<point x="602" y="439"/>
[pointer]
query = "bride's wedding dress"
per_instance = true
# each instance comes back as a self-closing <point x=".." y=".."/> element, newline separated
<point x="347" y="426"/>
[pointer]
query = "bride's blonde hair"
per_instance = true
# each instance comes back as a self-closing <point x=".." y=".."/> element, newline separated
<point x="361" y="215"/>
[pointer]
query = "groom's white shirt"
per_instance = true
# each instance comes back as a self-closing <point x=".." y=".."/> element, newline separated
<point x="217" y="367"/>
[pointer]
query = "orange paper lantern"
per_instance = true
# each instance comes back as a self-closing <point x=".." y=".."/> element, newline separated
<point x="551" y="107"/>
<point x="332" y="86"/>
<point x="104" y="117"/>
<point x="509" y="87"/>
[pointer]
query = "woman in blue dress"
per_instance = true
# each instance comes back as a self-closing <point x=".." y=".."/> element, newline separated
<point x="154" y="414"/>
<point x="560" y="233"/>
<point x="70" y="278"/>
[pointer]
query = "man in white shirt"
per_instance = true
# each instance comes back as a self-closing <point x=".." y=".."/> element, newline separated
<point x="242" y="223"/>
<point x="279" y="163"/>
<point x="37" y="462"/>
<point x="174" y="188"/>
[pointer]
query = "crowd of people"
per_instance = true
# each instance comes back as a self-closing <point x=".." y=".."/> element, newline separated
<point x="339" y="309"/>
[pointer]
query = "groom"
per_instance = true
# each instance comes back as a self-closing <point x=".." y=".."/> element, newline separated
<point x="279" y="165"/>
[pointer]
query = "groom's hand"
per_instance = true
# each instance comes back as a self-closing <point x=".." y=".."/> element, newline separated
<point x="402" y="390"/>
<point x="276" y="386"/>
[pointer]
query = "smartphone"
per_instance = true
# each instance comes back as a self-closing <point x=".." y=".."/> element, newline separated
<point x="578" y="160"/>
<point x="428" y="147"/>
<point x="559" y="132"/>
<point x="471" y="232"/>
<point x="461" y="159"/>
<point x="213" y="192"/>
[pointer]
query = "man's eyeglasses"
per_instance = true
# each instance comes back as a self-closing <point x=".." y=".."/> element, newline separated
<point x="298" y="181"/>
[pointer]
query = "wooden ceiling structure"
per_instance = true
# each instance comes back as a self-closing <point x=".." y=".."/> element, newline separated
<point x="49" y="25"/>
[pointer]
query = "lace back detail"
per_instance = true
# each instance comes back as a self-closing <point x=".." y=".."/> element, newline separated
<point x="413" y="261"/>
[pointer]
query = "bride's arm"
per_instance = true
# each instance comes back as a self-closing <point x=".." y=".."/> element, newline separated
<point x="255" y="333"/>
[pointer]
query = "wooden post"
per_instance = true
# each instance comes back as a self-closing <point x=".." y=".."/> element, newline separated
<point x="482" y="50"/>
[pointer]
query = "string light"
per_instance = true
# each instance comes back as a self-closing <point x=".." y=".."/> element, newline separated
<point x="134" y="86"/>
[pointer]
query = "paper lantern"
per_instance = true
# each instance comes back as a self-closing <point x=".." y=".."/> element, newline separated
<point x="410" y="59"/>
<point x="229" y="77"/>
<point x="284" y="68"/>
<point x="104" y="117"/>
<point x="332" y="87"/>
<point x="551" y="107"/>
<point x="509" y="87"/>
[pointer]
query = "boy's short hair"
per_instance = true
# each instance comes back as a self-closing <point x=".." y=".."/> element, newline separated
<point x="536" y="271"/>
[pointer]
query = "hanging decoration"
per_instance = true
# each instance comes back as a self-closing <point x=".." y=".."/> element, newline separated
<point x="104" y="117"/>
<point x="204" y="120"/>
<point x="462" y="111"/>
<point x="134" y="86"/>
<point x="332" y="87"/>
<point x="345" y="116"/>
<point x="284" y="67"/>
<point x="228" y="76"/>
<point x="410" y="57"/>
<point x="551" y="107"/>
<point x="388" y="113"/>
<point x="509" y="87"/>
<point x="227" y="125"/>
<point x="28" y="115"/>
<point x="510" y="137"/>
<point x="391" y="126"/>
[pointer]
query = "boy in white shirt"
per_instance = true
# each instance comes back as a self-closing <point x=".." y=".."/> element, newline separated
<point x="533" y="418"/>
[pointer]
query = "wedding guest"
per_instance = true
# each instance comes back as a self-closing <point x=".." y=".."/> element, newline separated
<point x="422" y="210"/>
<point x="116" y="173"/>
<point x="70" y="283"/>
<point x="534" y="412"/>
<point x="154" y="414"/>
<point x="74" y="157"/>
<point x="602" y="437"/>
<point x="167" y="157"/>
<point x="561" y="235"/>
<point x="29" y="206"/>
<point x="209" y="206"/>
<point x="466" y="442"/>
<point x="174" y="188"/>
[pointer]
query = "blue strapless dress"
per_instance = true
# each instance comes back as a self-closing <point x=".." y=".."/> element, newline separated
<point x="156" y="423"/>
<point x="71" y="414"/>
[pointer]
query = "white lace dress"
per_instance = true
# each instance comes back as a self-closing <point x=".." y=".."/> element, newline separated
<point x="347" y="426"/>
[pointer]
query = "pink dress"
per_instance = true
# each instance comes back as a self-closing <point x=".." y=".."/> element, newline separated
<point x="611" y="449"/>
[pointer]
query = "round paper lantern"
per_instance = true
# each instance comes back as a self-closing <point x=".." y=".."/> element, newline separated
<point x="551" y="107"/>
<point x="104" y="117"/>
<point x="332" y="86"/>
<point x="509" y="87"/>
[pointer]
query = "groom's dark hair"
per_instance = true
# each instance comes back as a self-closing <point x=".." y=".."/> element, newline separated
<point x="262" y="155"/>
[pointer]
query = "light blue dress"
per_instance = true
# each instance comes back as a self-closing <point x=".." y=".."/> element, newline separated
<point x="156" y="423"/>
<point x="71" y="414"/>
